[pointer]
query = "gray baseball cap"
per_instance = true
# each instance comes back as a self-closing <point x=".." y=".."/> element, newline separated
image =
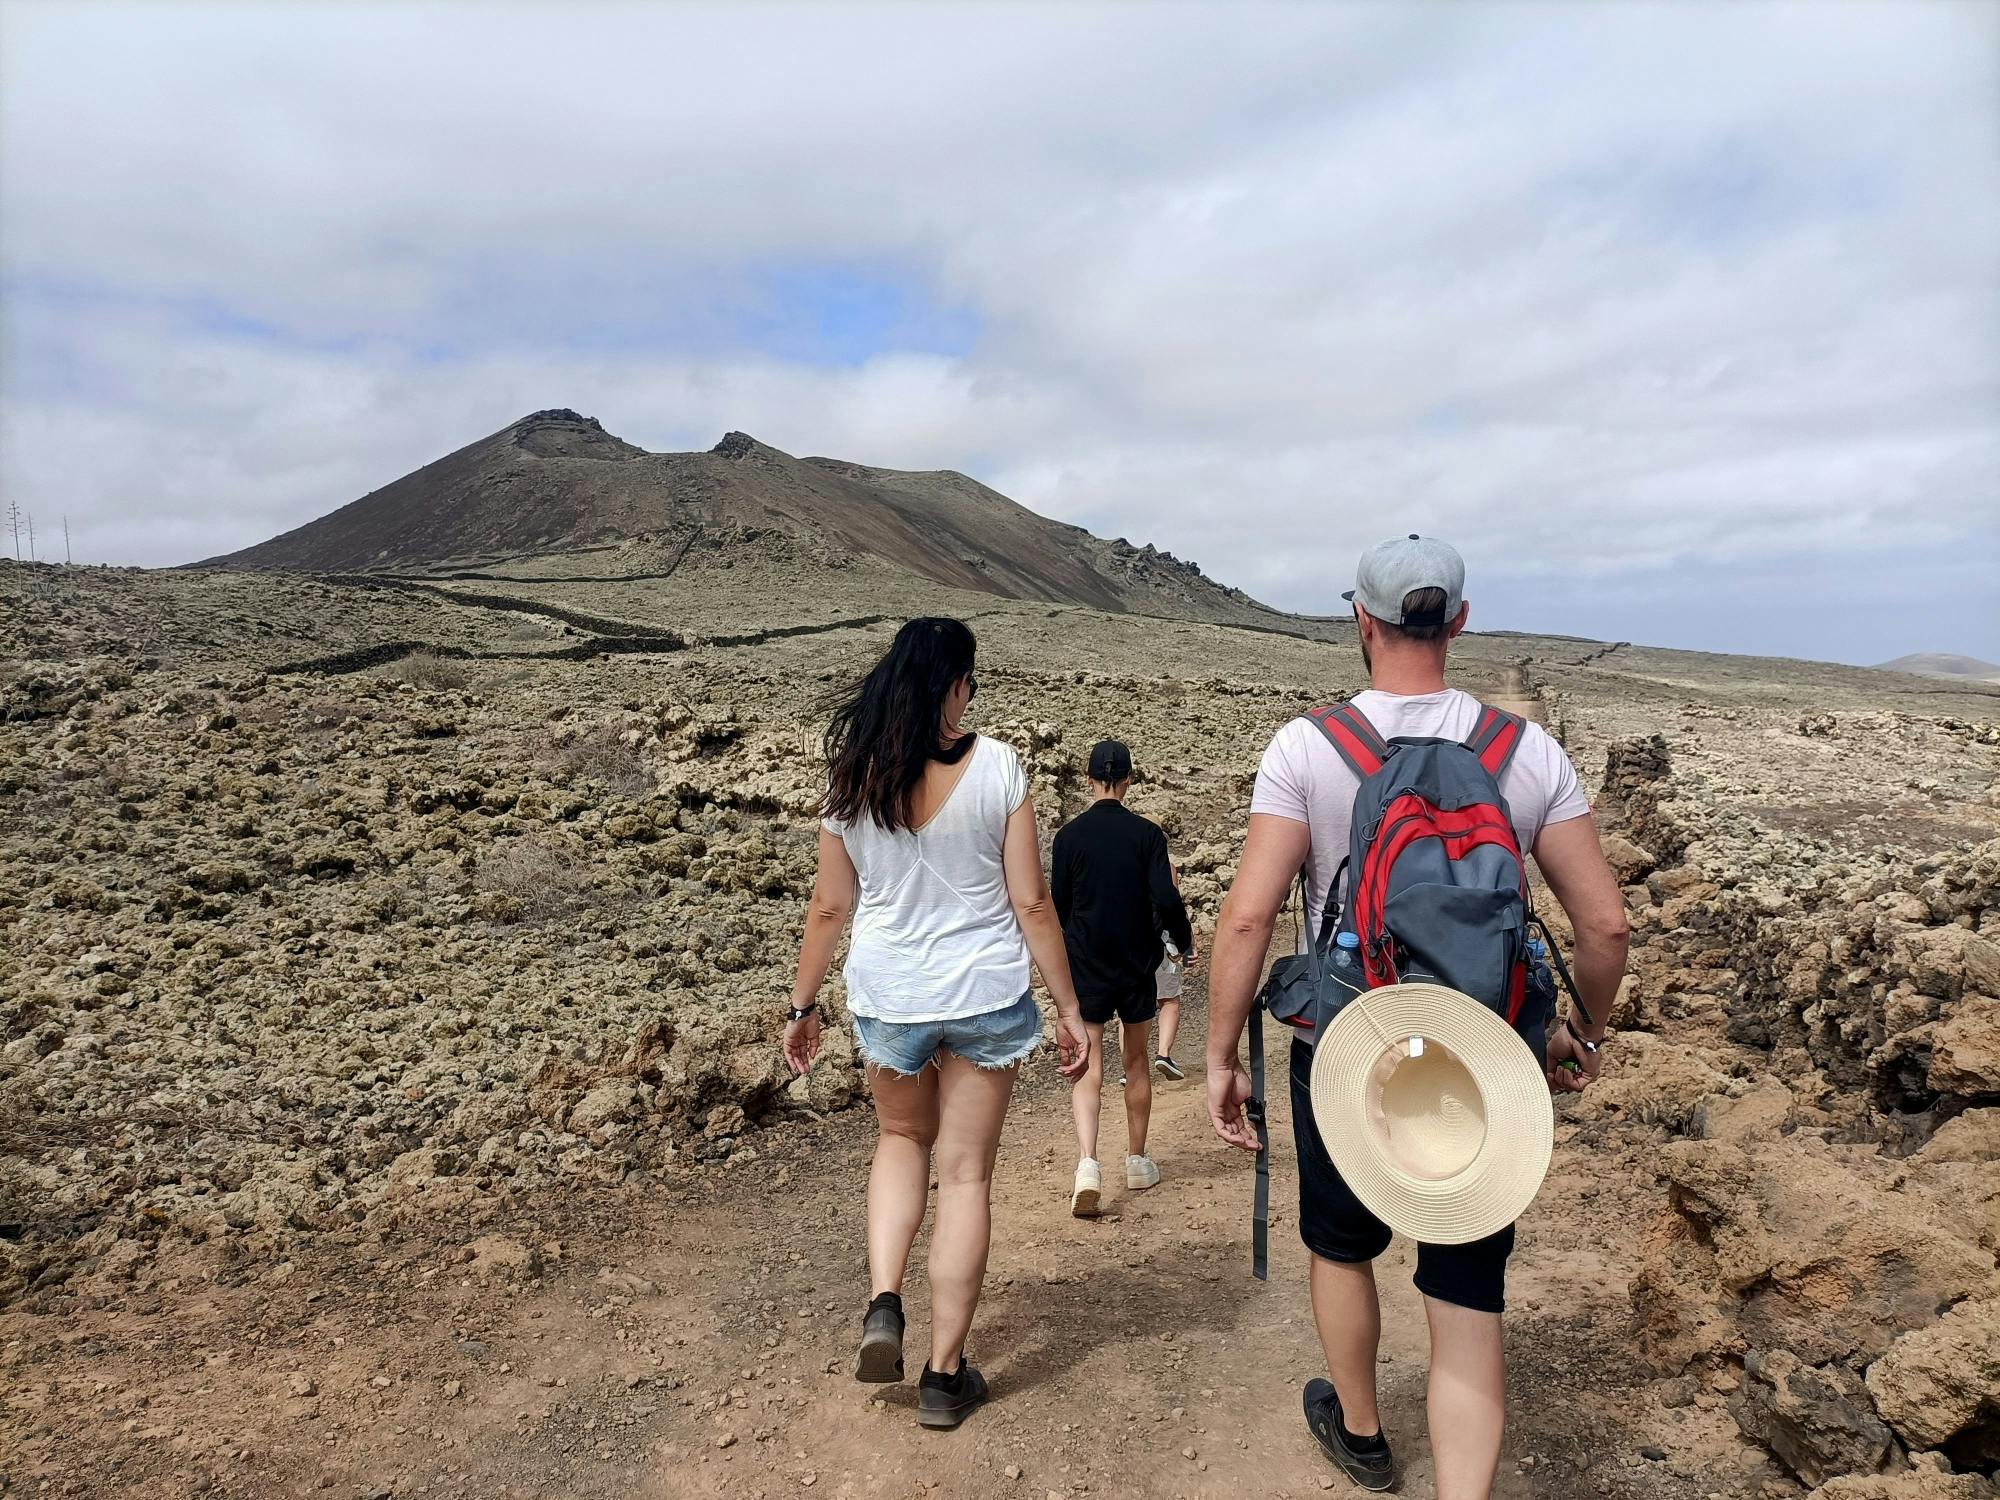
<point x="1391" y="571"/>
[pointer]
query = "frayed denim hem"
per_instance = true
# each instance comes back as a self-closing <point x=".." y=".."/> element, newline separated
<point x="887" y="1067"/>
<point x="985" y="1067"/>
<point x="1010" y="1062"/>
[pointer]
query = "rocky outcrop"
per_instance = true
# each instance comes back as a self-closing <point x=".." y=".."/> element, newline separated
<point x="1834" y="1193"/>
<point x="1912" y="1484"/>
<point x="1940" y="1385"/>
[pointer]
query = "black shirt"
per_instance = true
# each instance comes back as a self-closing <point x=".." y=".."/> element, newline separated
<point x="1114" y="892"/>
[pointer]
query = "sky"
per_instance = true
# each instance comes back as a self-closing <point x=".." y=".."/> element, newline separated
<point x="1681" y="321"/>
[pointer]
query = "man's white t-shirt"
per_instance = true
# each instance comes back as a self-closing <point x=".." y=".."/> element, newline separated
<point x="935" y="936"/>
<point x="1303" y="778"/>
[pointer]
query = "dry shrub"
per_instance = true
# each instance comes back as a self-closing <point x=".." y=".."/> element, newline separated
<point x="426" y="669"/>
<point x="532" y="880"/>
<point x="599" y="755"/>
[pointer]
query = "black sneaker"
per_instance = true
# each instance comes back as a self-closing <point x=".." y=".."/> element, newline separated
<point x="1370" y="1465"/>
<point x="881" y="1361"/>
<point x="947" y="1400"/>
<point x="1168" y="1069"/>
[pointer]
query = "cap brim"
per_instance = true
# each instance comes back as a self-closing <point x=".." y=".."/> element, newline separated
<point x="1499" y="1181"/>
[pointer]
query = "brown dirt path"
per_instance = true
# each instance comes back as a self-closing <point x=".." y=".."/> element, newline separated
<point x="695" y="1340"/>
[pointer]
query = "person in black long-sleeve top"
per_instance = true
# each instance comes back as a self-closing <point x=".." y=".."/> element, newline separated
<point x="1114" y="893"/>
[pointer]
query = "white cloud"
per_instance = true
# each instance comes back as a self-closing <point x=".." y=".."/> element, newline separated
<point x="1618" y="292"/>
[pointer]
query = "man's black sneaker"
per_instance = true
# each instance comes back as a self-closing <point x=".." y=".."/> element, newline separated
<point x="947" y="1400"/>
<point x="881" y="1361"/>
<point x="1168" y="1069"/>
<point x="1367" y="1461"/>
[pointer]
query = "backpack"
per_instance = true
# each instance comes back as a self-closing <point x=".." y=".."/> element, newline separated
<point x="1434" y="887"/>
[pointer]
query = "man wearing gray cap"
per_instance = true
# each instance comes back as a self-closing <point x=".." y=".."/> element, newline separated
<point x="1409" y="603"/>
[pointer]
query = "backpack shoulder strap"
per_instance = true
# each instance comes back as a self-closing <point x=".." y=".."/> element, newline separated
<point x="1347" y="729"/>
<point x="1495" y="738"/>
<point x="1253" y="1111"/>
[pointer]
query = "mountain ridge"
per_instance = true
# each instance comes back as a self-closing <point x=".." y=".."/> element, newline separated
<point x="558" y="479"/>
<point x="1943" y="664"/>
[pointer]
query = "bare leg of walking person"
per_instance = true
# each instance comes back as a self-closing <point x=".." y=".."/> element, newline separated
<point x="972" y="1108"/>
<point x="1349" y="1317"/>
<point x="1138" y="1088"/>
<point x="1170" y="1026"/>
<point x="1468" y="1398"/>
<point x="906" y="1112"/>
<point x="1086" y="1098"/>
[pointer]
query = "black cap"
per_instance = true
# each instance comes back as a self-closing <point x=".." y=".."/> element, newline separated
<point x="1110" y="762"/>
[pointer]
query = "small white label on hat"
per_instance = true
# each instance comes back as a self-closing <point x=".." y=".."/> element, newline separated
<point x="1416" y="1046"/>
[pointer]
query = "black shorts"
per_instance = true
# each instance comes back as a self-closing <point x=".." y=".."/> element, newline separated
<point x="1134" y="1009"/>
<point x="1336" y="1225"/>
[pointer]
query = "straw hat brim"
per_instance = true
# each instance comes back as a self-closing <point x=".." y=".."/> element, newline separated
<point x="1447" y="1150"/>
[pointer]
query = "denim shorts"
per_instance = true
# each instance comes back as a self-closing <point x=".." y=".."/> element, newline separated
<point x="992" y="1039"/>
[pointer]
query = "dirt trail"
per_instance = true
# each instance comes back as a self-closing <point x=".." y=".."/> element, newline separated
<point x="1518" y="693"/>
<point x="696" y="1339"/>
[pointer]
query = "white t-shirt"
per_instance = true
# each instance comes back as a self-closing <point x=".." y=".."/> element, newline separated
<point x="935" y="936"/>
<point x="1303" y="778"/>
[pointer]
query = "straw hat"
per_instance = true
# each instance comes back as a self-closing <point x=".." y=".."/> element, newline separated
<point x="1434" y="1111"/>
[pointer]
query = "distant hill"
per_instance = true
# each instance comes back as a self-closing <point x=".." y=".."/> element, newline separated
<point x="556" y="479"/>
<point x="1938" y="664"/>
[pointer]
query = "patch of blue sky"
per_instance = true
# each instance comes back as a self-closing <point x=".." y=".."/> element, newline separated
<point x="831" y="313"/>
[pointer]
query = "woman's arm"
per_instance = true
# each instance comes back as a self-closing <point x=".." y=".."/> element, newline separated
<point x="1022" y="858"/>
<point x="831" y="905"/>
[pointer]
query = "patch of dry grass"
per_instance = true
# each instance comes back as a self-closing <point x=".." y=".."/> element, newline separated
<point x="532" y="880"/>
<point x="597" y="755"/>
<point x="426" y="669"/>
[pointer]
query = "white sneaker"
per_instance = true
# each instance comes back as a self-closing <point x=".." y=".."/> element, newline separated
<point x="1089" y="1189"/>
<point x="1141" y="1172"/>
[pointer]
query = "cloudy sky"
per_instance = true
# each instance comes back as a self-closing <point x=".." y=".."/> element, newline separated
<point x="1683" y="321"/>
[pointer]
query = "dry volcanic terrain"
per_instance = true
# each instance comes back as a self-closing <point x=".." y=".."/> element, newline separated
<point x="389" y="1102"/>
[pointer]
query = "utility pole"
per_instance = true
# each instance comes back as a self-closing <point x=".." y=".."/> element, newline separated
<point x="65" y="540"/>
<point x="14" y="524"/>
<point x="31" y="536"/>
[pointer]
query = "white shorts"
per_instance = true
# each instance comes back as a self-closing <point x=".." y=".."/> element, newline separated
<point x="1167" y="978"/>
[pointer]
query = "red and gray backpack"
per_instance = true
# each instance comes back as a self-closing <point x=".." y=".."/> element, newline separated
<point x="1434" y="887"/>
<point x="1437" y="888"/>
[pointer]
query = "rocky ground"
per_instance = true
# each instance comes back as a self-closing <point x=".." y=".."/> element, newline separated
<point x="387" y="970"/>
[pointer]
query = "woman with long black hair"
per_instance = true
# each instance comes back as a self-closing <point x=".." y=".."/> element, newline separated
<point x="929" y="843"/>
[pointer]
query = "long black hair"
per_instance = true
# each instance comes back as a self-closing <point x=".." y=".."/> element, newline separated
<point x="886" y="730"/>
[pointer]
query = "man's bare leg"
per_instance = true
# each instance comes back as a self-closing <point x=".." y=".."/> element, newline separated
<point x="1350" y="1330"/>
<point x="1170" y="1026"/>
<point x="1468" y="1398"/>
<point x="1087" y="1095"/>
<point x="1138" y="1087"/>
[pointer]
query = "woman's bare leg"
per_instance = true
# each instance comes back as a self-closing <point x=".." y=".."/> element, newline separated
<point x="972" y="1106"/>
<point x="906" y="1112"/>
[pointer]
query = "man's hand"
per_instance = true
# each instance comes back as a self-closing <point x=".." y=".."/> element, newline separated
<point x="1192" y="957"/>
<point x="1565" y="1048"/>
<point x="1228" y="1092"/>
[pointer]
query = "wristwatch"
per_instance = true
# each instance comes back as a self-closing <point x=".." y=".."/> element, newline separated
<point x="799" y="1013"/>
